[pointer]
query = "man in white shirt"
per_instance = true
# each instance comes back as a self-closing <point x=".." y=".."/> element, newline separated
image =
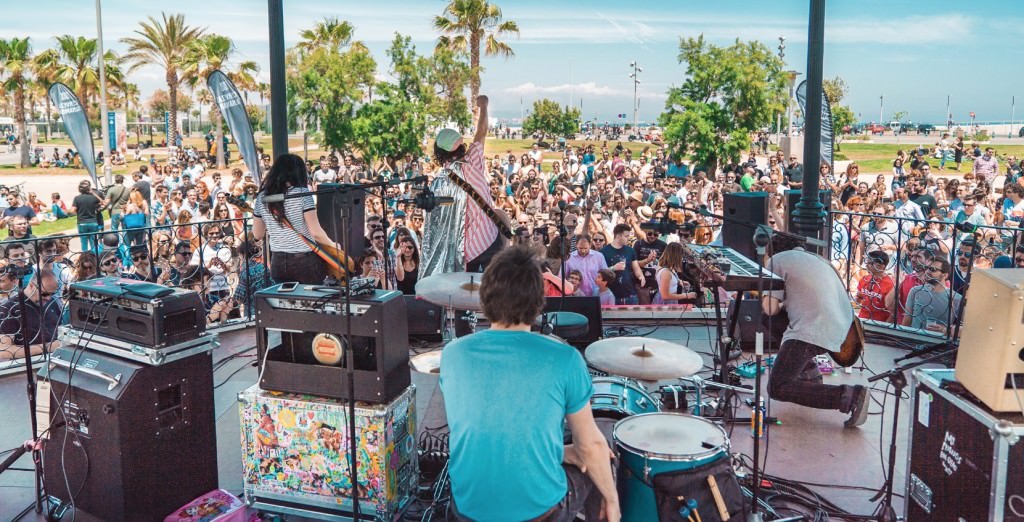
<point x="193" y="169"/>
<point x="537" y="156"/>
<point x="908" y="210"/>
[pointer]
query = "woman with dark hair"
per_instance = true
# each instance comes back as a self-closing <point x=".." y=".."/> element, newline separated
<point x="670" y="265"/>
<point x="290" y="223"/>
<point x="407" y="267"/>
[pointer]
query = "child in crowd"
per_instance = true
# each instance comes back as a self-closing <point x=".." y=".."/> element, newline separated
<point x="604" y="277"/>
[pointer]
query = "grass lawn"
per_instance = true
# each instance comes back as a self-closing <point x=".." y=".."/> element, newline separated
<point x="875" y="158"/>
<point x="61" y="226"/>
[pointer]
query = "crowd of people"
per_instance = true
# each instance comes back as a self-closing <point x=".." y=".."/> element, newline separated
<point x="606" y="220"/>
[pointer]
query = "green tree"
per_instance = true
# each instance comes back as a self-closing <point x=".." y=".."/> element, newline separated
<point x="437" y="83"/>
<point x="835" y="89"/>
<point x="163" y="42"/>
<point x="75" y="63"/>
<point x="842" y="116"/>
<point x="15" y="78"/>
<point x="389" y="126"/>
<point x="466" y="25"/>
<point x="550" y="119"/>
<point x="729" y="93"/>
<point x="210" y="53"/>
<point x="160" y="102"/>
<point x="324" y="86"/>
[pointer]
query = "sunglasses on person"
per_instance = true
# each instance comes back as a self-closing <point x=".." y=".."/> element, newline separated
<point x="108" y="262"/>
<point x="935" y="269"/>
<point x="375" y="238"/>
<point x="140" y="257"/>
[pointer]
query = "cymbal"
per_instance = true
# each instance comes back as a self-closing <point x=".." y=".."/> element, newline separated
<point x="461" y="290"/>
<point x="643" y="358"/>
<point x="429" y="362"/>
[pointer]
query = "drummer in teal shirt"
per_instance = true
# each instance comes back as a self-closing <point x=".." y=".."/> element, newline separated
<point x="507" y="392"/>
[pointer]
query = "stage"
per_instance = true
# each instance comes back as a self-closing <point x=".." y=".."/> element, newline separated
<point x="809" y="445"/>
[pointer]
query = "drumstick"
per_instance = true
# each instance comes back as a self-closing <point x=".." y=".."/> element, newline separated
<point x="723" y="512"/>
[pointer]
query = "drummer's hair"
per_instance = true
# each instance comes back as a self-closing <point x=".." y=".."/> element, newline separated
<point x="512" y="290"/>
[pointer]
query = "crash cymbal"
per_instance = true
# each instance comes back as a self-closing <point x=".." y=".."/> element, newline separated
<point x="460" y="290"/>
<point x="643" y="358"/>
<point x="429" y="362"/>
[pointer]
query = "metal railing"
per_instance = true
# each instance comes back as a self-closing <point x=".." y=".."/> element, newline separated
<point x="911" y="245"/>
<point x="220" y="269"/>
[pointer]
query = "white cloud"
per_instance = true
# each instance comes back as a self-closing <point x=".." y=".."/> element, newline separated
<point x="585" y="89"/>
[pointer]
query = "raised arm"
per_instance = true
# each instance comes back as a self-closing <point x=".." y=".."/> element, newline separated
<point x="481" y="120"/>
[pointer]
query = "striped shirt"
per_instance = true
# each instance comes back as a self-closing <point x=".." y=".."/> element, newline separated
<point x="480" y="230"/>
<point x="282" y="238"/>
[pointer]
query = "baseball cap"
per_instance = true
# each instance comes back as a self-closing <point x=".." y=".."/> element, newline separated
<point x="448" y="140"/>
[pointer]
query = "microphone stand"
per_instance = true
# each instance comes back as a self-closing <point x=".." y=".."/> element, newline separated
<point x="349" y="353"/>
<point x="761" y="239"/>
<point x="885" y="511"/>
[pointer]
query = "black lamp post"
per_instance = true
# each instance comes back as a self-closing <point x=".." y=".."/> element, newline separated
<point x="809" y="213"/>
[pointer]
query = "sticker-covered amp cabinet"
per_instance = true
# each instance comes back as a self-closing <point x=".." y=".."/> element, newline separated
<point x="295" y="454"/>
<point x="965" y="462"/>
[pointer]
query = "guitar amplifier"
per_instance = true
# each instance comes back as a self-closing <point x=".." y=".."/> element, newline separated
<point x="136" y="311"/>
<point x="302" y="348"/>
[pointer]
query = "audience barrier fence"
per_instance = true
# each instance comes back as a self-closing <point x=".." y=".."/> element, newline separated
<point x="911" y="246"/>
<point x="210" y="257"/>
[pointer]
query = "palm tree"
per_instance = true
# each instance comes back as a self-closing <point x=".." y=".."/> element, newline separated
<point x="131" y="97"/>
<point x="465" y="25"/>
<point x="163" y="42"/>
<point x="45" y="68"/>
<point x="211" y="53"/>
<point x="16" y="64"/>
<point x="331" y="34"/>
<point x="77" y="65"/>
<point x="203" y="97"/>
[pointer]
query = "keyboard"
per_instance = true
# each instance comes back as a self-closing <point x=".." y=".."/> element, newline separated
<point x="727" y="268"/>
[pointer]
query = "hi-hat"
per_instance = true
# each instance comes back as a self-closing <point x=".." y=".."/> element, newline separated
<point x="643" y="358"/>
<point x="460" y="290"/>
<point x="429" y="362"/>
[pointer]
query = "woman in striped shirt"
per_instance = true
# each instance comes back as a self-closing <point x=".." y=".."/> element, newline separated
<point x="292" y="259"/>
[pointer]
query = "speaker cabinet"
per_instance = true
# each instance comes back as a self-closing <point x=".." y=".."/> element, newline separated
<point x="426" y="319"/>
<point x="329" y="210"/>
<point x="137" y="441"/>
<point x="587" y="306"/>
<point x="743" y="211"/>
<point x="990" y="360"/>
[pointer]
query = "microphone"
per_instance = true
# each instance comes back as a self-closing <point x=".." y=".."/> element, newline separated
<point x="561" y="206"/>
<point x="414" y="180"/>
<point x="428" y="201"/>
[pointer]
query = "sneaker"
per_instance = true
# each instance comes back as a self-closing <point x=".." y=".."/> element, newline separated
<point x="858" y="407"/>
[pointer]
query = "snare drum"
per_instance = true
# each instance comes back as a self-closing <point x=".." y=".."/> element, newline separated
<point x="653" y="443"/>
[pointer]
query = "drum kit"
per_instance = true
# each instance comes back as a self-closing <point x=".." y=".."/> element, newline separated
<point x="647" y="440"/>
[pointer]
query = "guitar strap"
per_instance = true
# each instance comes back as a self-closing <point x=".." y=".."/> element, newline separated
<point x="480" y="201"/>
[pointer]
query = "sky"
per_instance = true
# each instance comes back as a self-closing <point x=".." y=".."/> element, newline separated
<point x="912" y="54"/>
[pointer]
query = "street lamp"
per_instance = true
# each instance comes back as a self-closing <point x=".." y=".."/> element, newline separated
<point x="635" y="75"/>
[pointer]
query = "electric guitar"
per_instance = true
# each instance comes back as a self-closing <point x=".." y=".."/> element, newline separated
<point x="849" y="351"/>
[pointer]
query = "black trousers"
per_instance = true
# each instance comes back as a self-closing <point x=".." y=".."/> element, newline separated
<point x="306" y="268"/>
<point x="480" y="262"/>
<point x="795" y="378"/>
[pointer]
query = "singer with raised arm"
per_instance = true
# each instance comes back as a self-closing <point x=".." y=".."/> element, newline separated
<point x="464" y="235"/>
<point x="291" y="223"/>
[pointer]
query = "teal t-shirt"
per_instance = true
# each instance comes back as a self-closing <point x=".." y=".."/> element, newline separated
<point x="506" y="394"/>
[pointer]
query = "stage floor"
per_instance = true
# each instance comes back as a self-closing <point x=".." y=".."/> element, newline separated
<point x="809" y="445"/>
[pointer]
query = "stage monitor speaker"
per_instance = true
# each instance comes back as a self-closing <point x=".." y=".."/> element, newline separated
<point x="352" y="205"/>
<point x="426" y="319"/>
<point x="137" y="441"/>
<point x="793" y="197"/>
<point x="587" y="306"/>
<point x="743" y="211"/>
<point x="990" y="360"/>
